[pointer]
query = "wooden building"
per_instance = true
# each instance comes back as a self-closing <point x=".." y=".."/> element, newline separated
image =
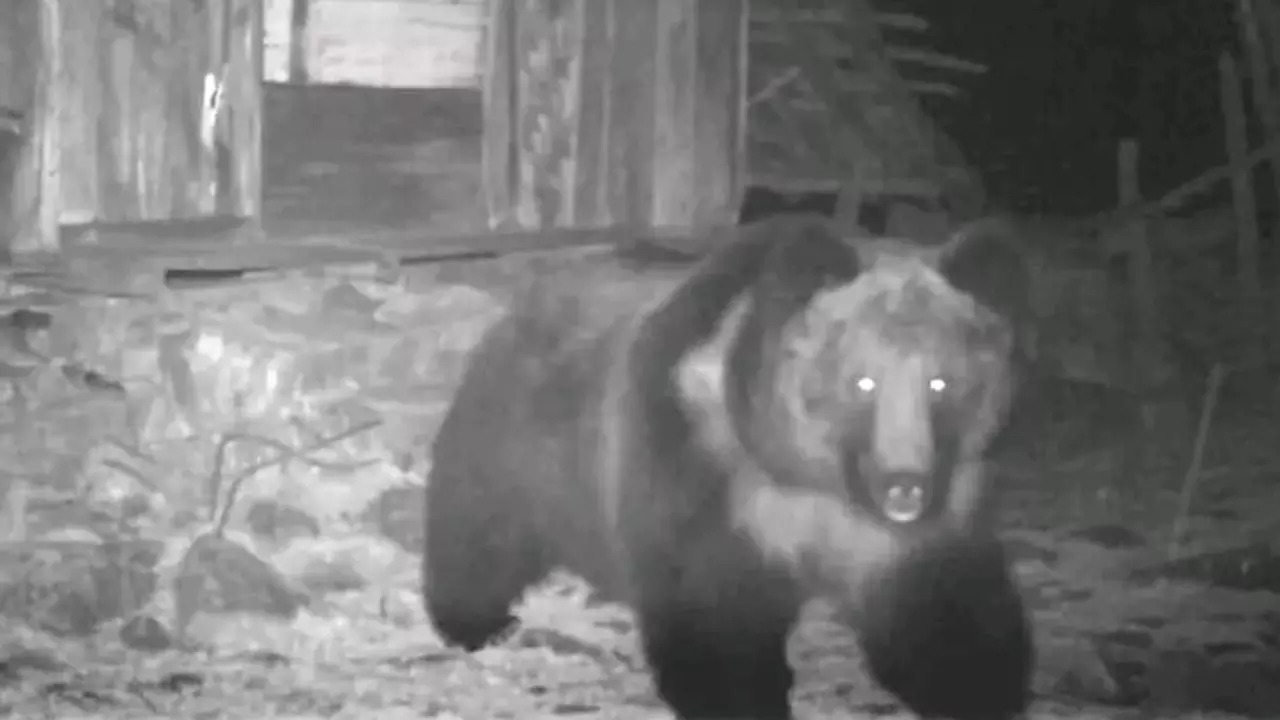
<point x="153" y="110"/>
<point x="135" y="111"/>
<point x="666" y="112"/>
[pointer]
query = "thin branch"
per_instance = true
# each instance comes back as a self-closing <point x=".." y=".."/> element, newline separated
<point x="288" y="454"/>
<point x="775" y="85"/>
<point x="1217" y="375"/>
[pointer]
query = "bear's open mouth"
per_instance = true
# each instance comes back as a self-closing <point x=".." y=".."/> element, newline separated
<point x="904" y="503"/>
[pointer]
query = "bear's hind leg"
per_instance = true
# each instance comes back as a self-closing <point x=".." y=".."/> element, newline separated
<point x="481" y="555"/>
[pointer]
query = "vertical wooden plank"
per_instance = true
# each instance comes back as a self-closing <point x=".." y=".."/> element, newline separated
<point x="1146" y="364"/>
<point x="675" y="105"/>
<point x="125" y="135"/>
<point x="719" y="116"/>
<point x="30" y="30"/>
<point x="547" y="47"/>
<point x="112" y="100"/>
<point x="45" y="235"/>
<point x="1268" y="25"/>
<point x="596" y="52"/>
<point x="568" y="60"/>
<point x="1142" y="297"/>
<point x="134" y="182"/>
<point x="17" y="19"/>
<point x="78" y="93"/>
<point x="600" y="111"/>
<point x="1144" y="286"/>
<point x="224" y="156"/>
<point x="498" y="148"/>
<point x="1242" y="194"/>
<point x="191" y="52"/>
<point x="743" y="126"/>
<point x="699" y="87"/>
<point x="299" y="13"/>
<point x="245" y="107"/>
<point x="157" y="158"/>
<point x="10" y="56"/>
<point x="631" y="111"/>
<point x="169" y="180"/>
<point x="531" y="76"/>
<point x="201" y="122"/>
<point x="1264" y="74"/>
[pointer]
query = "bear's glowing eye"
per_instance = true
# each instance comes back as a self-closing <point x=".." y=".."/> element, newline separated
<point x="937" y="385"/>
<point x="866" y="384"/>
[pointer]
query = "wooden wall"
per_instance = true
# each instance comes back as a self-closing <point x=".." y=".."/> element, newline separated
<point x="375" y="43"/>
<point x="29" y="172"/>
<point x="603" y="112"/>
<point x="164" y="146"/>
<point x="133" y="131"/>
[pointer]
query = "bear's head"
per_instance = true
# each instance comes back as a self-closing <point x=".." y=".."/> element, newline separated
<point x="877" y="369"/>
<point x="894" y="377"/>
<point x="899" y="379"/>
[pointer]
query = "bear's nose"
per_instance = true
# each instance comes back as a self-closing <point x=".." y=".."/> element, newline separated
<point x="904" y="498"/>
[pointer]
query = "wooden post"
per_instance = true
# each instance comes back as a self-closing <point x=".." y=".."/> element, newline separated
<point x="161" y="110"/>
<point x="79" y="96"/>
<point x="14" y="101"/>
<point x="1264" y="73"/>
<point x="700" y="103"/>
<point x="1242" y="194"/>
<point x="1137" y="242"/>
<point x="229" y="74"/>
<point x="299" y="13"/>
<point x="243" y="115"/>
<point x="500" y="160"/>
<point x="1269" y="30"/>
<point x="1146" y="349"/>
<point x="1268" y="26"/>
<point x="602" y="112"/>
<point x="29" y="160"/>
<point x="1148" y="364"/>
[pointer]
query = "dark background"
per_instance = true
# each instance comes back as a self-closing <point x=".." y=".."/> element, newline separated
<point x="1068" y="78"/>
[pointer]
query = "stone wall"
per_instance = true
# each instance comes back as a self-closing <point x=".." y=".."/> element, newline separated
<point x="229" y="446"/>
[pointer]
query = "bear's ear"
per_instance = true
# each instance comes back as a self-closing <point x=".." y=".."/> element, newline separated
<point x="985" y="260"/>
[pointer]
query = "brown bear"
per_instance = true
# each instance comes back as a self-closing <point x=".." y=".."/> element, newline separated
<point x="794" y="415"/>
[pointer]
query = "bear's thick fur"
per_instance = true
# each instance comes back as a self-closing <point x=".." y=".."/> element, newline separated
<point x="794" y="415"/>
